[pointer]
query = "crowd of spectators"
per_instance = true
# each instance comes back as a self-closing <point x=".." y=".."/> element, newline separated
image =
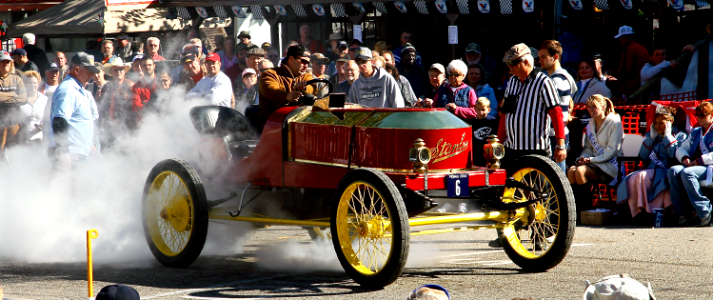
<point x="529" y="109"/>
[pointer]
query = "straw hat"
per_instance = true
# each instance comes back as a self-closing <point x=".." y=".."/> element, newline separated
<point x="116" y="62"/>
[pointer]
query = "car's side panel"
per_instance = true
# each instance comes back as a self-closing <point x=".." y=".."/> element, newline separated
<point x="388" y="148"/>
<point x="264" y="165"/>
<point x="320" y="143"/>
<point x="314" y="176"/>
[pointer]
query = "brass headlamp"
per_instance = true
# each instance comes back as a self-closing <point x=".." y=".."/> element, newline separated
<point x="420" y="155"/>
<point x="493" y="152"/>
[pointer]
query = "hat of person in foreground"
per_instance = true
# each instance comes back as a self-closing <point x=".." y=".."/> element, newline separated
<point x="118" y="292"/>
<point x="618" y="287"/>
<point x="430" y="291"/>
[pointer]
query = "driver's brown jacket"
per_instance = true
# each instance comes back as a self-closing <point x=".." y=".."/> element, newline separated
<point x="274" y="86"/>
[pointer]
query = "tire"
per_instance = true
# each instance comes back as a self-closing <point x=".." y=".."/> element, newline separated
<point x="528" y="240"/>
<point x="365" y="203"/>
<point x="175" y="213"/>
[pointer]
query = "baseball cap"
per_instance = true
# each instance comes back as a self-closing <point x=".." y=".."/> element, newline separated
<point x="319" y="57"/>
<point x="438" y="67"/>
<point x="5" y="56"/>
<point x="344" y="57"/>
<point x="473" y="47"/>
<point x="190" y="57"/>
<point x="408" y="47"/>
<point x="624" y="30"/>
<point x="343" y="44"/>
<point x="516" y="52"/>
<point x="137" y="57"/>
<point x="19" y="51"/>
<point x="265" y="45"/>
<point x="618" y="287"/>
<point x="256" y="51"/>
<point x="53" y="66"/>
<point x="248" y="71"/>
<point x="118" y="292"/>
<point x="85" y="60"/>
<point x="363" y="53"/>
<point x="213" y="57"/>
<point x="122" y="37"/>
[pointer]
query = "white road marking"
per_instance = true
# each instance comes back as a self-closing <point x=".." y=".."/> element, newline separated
<point x="465" y="261"/>
<point x="212" y="287"/>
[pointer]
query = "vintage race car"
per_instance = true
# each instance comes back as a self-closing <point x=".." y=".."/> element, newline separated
<point x="369" y="175"/>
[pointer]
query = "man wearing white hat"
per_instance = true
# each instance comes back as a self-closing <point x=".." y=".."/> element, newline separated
<point x="115" y="113"/>
<point x="633" y="58"/>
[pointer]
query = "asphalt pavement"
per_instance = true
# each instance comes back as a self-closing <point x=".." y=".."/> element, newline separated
<point x="283" y="263"/>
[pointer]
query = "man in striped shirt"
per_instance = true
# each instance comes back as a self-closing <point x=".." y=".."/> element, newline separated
<point x="549" y="54"/>
<point x="530" y="97"/>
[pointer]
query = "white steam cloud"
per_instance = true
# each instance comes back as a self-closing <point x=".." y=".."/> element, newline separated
<point x="44" y="217"/>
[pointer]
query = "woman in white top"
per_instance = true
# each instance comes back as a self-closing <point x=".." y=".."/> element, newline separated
<point x="589" y="82"/>
<point x="602" y="145"/>
<point x="33" y="111"/>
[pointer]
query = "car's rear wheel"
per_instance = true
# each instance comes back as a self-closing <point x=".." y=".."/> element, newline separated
<point x="175" y="213"/>
<point x="541" y="238"/>
<point x="369" y="226"/>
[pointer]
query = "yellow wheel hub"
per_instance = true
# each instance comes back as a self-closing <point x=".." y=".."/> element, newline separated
<point x="363" y="228"/>
<point x="169" y="213"/>
<point x="531" y="233"/>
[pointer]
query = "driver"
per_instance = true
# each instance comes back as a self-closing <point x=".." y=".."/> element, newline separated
<point x="284" y="86"/>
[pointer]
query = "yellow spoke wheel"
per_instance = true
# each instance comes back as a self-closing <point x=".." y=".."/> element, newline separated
<point x="175" y="215"/>
<point x="540" y="239"/>
<point x="369" y="226"/>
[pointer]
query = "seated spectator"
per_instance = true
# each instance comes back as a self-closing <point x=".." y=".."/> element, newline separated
<point x="215" y="88"/>
<point x="476" y="79"/>
<point x="429" y="292"/>
<point x="22" y="63"/>
<point x="589" y="83"/>
<point x="34" y="109"/>
<point x="694" y="154"/>
<point x="602" y="145"/>
<point x="456" y="96"/>
<point x="404" y="85"/>
<point x="351" y="70"/>
<point x="374" y="87"/>
<point x="436" y="78"/>
<point x="646" y="190"/>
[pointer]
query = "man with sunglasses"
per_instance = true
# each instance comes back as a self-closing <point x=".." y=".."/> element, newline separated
<point x="375" y="87"/>
<point x="283" y="86"/>
<point x="695" y="155"/>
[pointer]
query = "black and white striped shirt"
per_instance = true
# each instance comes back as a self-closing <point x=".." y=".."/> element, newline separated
<point x="528" y="125"/>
